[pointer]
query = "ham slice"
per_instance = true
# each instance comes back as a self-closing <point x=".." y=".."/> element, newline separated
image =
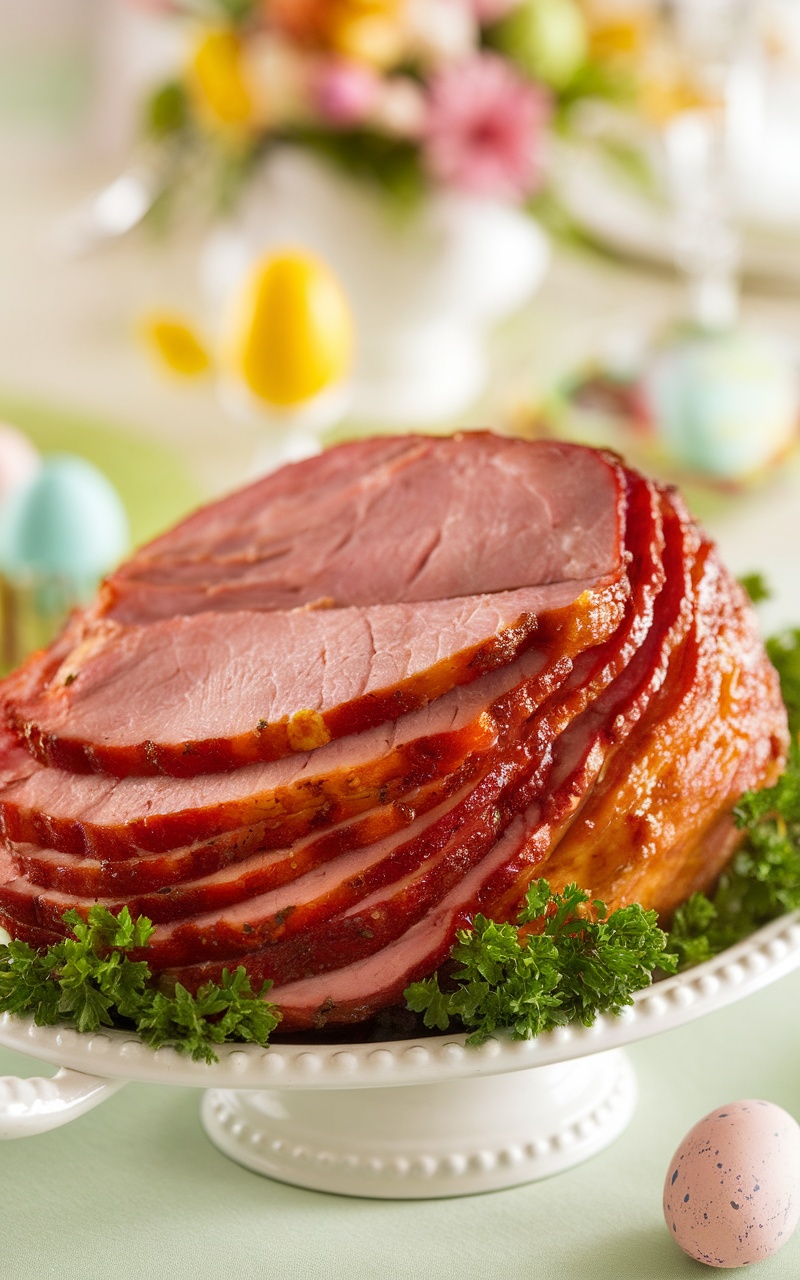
<point x="293" y="627"/>
<point x="210" y="692"/>
<point x="416" y="519"/>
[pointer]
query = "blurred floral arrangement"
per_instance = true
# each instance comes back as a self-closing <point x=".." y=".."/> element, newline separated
<point x="414" y="95"/>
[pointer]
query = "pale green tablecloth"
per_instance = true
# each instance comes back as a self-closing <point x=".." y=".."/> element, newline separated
<point x="135" y="1191"/>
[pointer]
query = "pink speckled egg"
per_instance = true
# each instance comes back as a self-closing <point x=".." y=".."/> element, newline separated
<point x="732" y="1194"/>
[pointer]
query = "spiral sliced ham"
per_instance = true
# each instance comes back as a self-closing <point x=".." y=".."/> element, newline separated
<point x="321" y="723"/>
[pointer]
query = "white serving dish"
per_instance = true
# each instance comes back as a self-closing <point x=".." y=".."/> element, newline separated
<point x="411" y="1119"/>
<point x="636" y="223"/>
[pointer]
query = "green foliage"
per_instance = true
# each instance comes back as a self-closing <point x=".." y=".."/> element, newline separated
<point x="90" y="981"/>
<point x="394" y="165"/>
<point x="582" y="963"/>
<point x="784" y="654"/>
<point x="166" y="111"/>
<point x="763" y="879"/>
<point x="234" y="12"/>
<point x="756" y="586"/>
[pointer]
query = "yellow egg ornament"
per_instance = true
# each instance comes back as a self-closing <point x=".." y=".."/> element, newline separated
<point x="288" y="335"/>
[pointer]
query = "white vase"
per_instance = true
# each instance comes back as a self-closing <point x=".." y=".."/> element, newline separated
<point x="425" y="287"/>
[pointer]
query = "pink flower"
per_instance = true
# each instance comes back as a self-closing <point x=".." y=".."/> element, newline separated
<point x="343" y="92"/>
<point x="485" y="128"/>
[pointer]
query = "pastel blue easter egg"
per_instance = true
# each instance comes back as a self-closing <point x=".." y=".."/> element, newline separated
<point x="66" y="522"/>
<point x="724" y="406"/>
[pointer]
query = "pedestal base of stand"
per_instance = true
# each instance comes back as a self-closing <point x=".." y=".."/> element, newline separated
<point x="423" y="1141"/>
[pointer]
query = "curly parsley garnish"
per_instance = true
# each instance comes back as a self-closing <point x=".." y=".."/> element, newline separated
<point x="756" y="586"/>
<point x="89" y="981"/>
<point x="582" y="963"/>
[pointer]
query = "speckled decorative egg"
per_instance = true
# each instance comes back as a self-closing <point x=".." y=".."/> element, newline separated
<point x="732" y="1192"/>
<point x="66" y="522"/>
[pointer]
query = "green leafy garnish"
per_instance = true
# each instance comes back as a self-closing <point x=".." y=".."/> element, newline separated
<point x="392" y="165"/>
<point x="756" y="586"/>
<point x="90" y="981"/>
<point x="783" y="651"/>
<point x="582" y="963"/>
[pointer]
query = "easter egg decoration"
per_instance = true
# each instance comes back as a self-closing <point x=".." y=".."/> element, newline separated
<point x="59" y="533"/>
<point x="732" y="1191"/>
<point x="289" y="335"/>
<point x="723" y="405"/>
<point x="282" y="356"/>
<point x="286" y="350"/>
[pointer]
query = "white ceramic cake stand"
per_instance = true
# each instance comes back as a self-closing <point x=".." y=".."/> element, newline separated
<point x="410" y="1119"/>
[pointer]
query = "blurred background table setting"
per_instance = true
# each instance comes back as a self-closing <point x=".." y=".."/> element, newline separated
<point x="233" y="232"/>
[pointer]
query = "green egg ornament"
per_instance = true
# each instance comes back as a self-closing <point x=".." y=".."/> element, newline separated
<point x="65" y="524"/>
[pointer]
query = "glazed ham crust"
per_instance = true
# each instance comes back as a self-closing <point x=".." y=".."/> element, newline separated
<point x="476" y="661"/>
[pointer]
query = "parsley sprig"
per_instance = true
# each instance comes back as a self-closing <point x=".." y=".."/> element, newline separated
<point x="581" y="963"/>
<point x="90" y="981"/>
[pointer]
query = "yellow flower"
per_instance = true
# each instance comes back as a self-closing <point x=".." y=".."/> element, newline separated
<point x="289" y="332"/>
<point x="175" y="344"/>
<point x="219" y="81"/>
